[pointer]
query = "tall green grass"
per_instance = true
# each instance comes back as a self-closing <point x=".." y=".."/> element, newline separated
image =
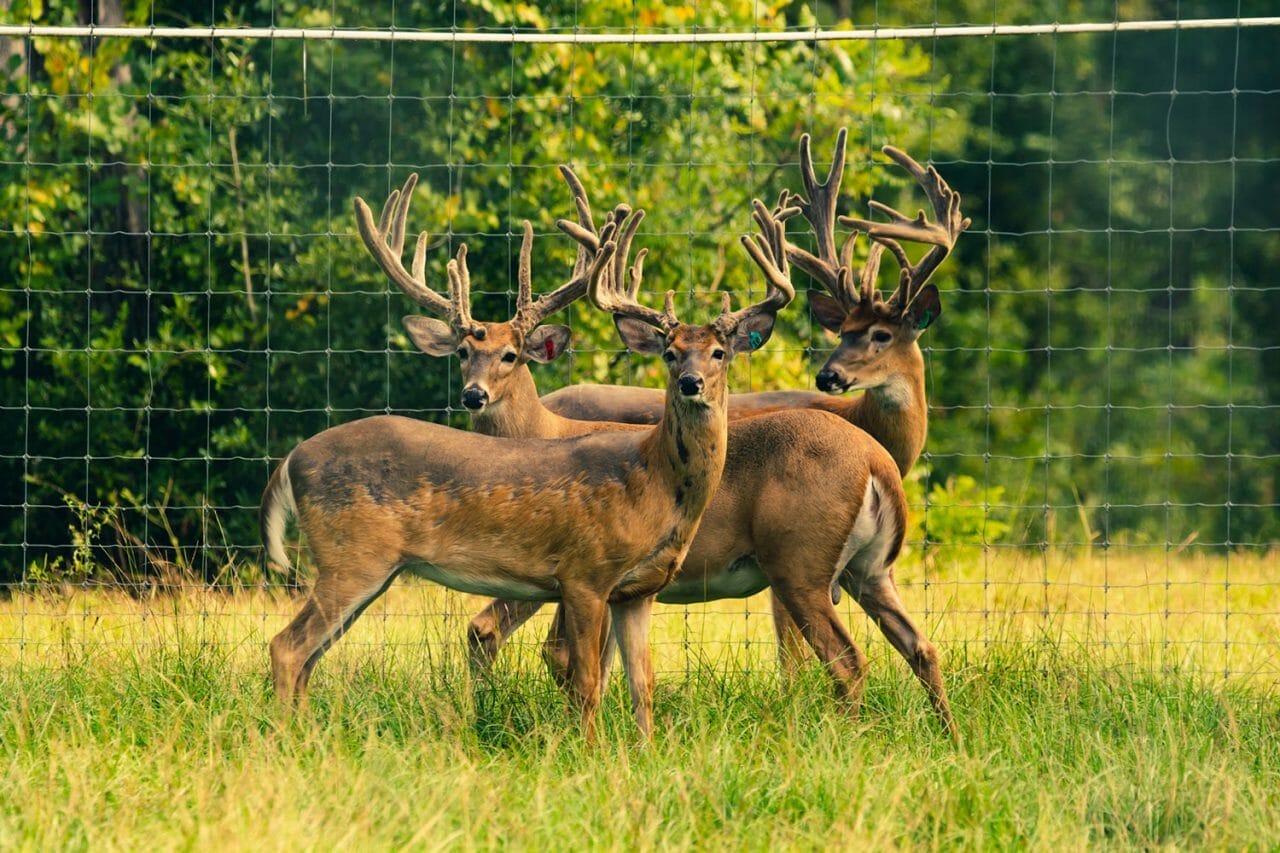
<point x="132" y="724"/>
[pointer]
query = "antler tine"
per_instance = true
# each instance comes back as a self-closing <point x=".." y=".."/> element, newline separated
<point x="460" y="290"/>
<point x="524" y="274"/>
<point x="385" y="242"/>
<point x="870" y="272"/>
<point x="596" y="251"/>
<point x="820" y="210"/>
<point x="585" y="221"/>
<point x="769" y="251"/>
<point x="611" y="293"/>
<point x="941" y="235"/>
<point x="628" y="223"/>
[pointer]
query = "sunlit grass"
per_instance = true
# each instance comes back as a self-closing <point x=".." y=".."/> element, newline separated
<point x="1092" y="715"/>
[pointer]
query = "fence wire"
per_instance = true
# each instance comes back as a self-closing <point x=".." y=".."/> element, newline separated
<point x="185" y="297"/>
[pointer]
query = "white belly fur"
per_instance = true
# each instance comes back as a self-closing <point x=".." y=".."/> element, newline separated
<point x="476" y="584"/>
<point x="740" y="579"/>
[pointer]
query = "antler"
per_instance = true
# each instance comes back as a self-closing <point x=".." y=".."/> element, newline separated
<point x="941" y="234"/>
<point x="617" y="292"/>
<point x="829" y="267"/>
<point x="596" y="250"/>
<point x="769" y="250"/>
<point x="385" y="241"/>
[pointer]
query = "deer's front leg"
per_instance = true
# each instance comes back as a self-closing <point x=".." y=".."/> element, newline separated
<point x="555" y="652"/>
<point x="491" y="627"/>
<point x="631" y="630"/>
<point x="584" y="626"/>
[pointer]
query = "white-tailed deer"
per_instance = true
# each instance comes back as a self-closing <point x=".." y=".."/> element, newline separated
<point x="598" y="522"/>
<point x="877" y="352"/>
<point x="804" y="497"/>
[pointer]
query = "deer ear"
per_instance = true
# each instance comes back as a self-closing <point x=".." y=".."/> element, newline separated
<point x="827" y="311"/>
<point x="433" y="337"/>
<point x="545" y="343"/>
<point x="924" y="309"/>
<point x="639" y="336"/>
<point x="753" y="332"/>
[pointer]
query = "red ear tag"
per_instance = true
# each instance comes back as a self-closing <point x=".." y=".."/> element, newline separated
<point x="551" y="349"/>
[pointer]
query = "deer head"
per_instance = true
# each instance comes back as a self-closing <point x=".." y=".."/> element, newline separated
<point x="698" y="356"/>
<point x="875" y="333"/>
<point x="493" y="356"/>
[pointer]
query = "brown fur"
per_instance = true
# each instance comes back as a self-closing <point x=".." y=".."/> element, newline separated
<point x="756" y="516"/>
<point x="899" y="426"/>
<point x="587" y="520"/>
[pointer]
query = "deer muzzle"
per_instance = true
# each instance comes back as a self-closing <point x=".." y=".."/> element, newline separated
<point x="474" y="397"/>
<point x="831" y="381"/>
<point x="691" y="385"/>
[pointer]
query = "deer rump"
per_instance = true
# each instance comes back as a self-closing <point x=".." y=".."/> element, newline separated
<point x="805" y="498"/>
<point x="477" y="514"/>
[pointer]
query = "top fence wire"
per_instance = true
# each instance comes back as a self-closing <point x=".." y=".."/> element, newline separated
<point x="184" y="296"/>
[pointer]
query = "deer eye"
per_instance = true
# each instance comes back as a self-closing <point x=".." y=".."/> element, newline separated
<point x="462" y="353"/>
<point x="880" y="336"/>
<point x="669" y="357"/>
<point x="718" y="354"/>
<point x="509" y="358"/>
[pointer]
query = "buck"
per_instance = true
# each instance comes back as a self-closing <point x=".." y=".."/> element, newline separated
<point x="804" y="497"/>
<point x="877" y="352"/>
<point x="598" y="522"/>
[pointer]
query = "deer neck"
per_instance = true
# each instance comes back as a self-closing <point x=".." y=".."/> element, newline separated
<point x="687" y="449"/>
<point x="895" y="414"/>
<point x="519" y="413"/>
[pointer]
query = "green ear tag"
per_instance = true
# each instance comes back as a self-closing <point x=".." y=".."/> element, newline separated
<point x="755" y="339"/>
<point x="925" y="320"/>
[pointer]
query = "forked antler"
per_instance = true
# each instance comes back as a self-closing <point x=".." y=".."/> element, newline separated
<point x="619" y="293"/>
<point x="618" y="290"/>
<point x="596" y="251"/>
<point x="385" y="241"/>
<point x="830" y="267"/>
<point x="769" y="251"/>
<point x="941" y="234"/>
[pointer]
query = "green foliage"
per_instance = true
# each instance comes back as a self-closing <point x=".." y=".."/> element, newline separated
<point x="1089" y="356"/>
<point x="959" y="511"/>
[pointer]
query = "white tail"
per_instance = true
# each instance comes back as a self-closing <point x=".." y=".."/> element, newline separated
<point x="278" y="506"/>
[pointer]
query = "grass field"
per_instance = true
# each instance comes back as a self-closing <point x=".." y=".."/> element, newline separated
<point x="1093" y="695"/>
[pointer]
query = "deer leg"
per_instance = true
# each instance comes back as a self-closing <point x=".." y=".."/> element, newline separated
<point x="491" y="627"/>
<point x="555" y="652"/>
<point x="336" y="601"/>
<point x="810" y="607"/>
<point x="791" y="653"/>
<point x="631" y="630"/>
<point x="881" y="602"/>
<point x="584" y="627"/>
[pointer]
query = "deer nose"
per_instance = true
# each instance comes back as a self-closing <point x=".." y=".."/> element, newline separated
<point x="828" y="380"/>
<point x="690" y="385"/>
<point x="474" y="397"/>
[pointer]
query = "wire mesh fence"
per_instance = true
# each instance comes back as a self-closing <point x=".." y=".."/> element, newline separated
<point x="185" y="298"/>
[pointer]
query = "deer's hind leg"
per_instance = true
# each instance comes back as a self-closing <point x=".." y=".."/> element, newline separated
<point x="804" y="589"/>
<point x="491" y="627"/>
<point x="878" y="596"/>
<point x="555" y="651"/>
<point x="336" y="601"/>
